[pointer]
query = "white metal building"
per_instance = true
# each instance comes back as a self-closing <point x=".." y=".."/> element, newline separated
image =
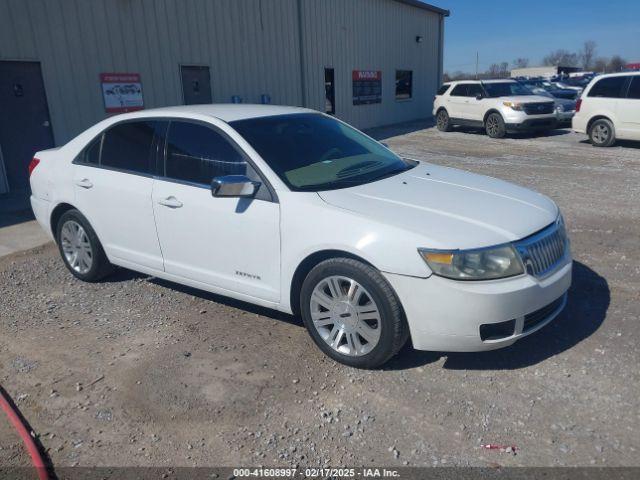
<point x="66" y="64"/>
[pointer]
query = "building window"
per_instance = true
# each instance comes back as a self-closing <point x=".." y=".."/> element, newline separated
<point x="329" y="91"/>
<point x="404" y="84"/>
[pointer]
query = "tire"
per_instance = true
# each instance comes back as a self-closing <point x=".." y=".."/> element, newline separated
<point x="494" y="126"/>
<point x="443" y="122"/>
<point x="80" y="249"/>
<point x="363" y="332"/>
<point x="602" y="133"/>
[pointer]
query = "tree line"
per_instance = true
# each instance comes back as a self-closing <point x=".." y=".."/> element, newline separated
<point x="585" y="58"/>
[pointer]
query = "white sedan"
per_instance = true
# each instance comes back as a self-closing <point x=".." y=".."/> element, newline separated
<point x="297" y="211"/>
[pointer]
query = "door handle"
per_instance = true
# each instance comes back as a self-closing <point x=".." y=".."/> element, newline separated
<point x="171" y="202"/>
<point x="84" y="183"/>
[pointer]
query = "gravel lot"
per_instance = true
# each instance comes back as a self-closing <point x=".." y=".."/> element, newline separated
<point x="138" y="371"/>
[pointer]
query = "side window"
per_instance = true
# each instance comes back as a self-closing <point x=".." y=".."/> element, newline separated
<point x="474" y="90"/>
<point x="91" y="154"/>
<point x="404" y="84"/>
<point x="443" y="89"/>
<point x="459" y="90"/>
<point x="197" y="153"/>
<point x="128" y="146"/>
<point x="611" y="87"/>
<point x="634" y="88"/>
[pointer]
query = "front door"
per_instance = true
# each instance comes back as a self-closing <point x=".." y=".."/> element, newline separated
<point x="196" y="84"/>
<point x="25" y="127"/>
<point x="229" y="243"/>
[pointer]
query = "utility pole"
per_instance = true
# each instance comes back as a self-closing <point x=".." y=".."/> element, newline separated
<point x="476" y="65"/>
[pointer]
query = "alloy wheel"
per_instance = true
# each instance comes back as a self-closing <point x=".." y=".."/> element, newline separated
<point x="345" y="316"/>
<point x="442" y="120"/>
<point x="76" y="247"/>
<point x="492" y="125"/>
<point x="600" y="133"/>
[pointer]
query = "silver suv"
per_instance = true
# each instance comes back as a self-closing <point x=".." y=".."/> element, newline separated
<point x="498" y="106"/>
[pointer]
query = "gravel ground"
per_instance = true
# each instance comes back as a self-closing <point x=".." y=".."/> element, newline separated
<point x="138" y="371"/>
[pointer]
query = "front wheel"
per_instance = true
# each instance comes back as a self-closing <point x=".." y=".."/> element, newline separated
<point x="602" y="133"/>
<point x="352" y="313"/>
<point x="494" y="126"/>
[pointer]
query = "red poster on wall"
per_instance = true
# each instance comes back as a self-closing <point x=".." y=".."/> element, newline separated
<point x="122" y="92"/>
<point x="367" y="87"/>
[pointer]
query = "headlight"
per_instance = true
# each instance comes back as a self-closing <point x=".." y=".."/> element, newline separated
<point x="515" y="106"/>
<point x="478" y="264"/>
<point x="560" y="108"/>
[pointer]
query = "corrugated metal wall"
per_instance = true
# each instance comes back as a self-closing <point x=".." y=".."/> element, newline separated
<point x="371" y="35"/>
<point x="251" y="46"/>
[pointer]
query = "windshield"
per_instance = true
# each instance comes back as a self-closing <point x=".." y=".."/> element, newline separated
<point x="505" y="89"/>
<point x="313" y="152"/>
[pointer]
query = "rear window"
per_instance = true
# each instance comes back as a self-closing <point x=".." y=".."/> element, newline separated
<point x="634" y="88"/>
<point x="459" y="90"/>
<point x="443" y="89"/>
<point x="128" y="146"/>
<point x="612" y="87"/>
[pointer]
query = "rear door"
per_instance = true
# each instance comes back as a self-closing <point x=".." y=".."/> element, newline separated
<point x="228" y="243"/>
<point x="113" y="181"/>
<point x="629" y="110"/>
<point x="606" y="97"/>
<point x="457" y="102"/>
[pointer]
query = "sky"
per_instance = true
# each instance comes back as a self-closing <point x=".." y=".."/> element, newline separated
<point x="502" y="30"/>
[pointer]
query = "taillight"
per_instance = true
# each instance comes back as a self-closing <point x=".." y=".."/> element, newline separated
<point x="578" y="103"/>
<point x="33" y="164"/>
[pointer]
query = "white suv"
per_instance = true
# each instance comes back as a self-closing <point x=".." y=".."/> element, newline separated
<point x="609" y="109"/>
<point x="498" y="106"/>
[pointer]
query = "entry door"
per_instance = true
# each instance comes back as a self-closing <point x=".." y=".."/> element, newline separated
<point x="196" y="84"/>
<point x="229" y="243"/>
<point x="25" y="127"/>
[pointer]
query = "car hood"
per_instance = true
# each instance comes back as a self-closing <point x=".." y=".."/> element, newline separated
<point x="450" y="208"/>
<point x="526" y="99"/>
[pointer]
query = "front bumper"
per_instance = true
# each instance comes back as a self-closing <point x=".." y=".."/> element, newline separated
<point x="565" y="117"/>
<point x="446" y="315"/>
<point x="518" y="121"/>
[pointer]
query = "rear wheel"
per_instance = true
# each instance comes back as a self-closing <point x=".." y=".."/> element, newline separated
<point x="494" y="126"/>
<point x="443" y="122"/>
<point x="80" y="248"/>
<point x="352" y="313"/>
<point x="602" y="133"/>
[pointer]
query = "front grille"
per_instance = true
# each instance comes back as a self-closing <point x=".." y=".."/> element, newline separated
<point x="534" y="319"/>
<point x="542" y="252"/>
<point x="541" y="108"/>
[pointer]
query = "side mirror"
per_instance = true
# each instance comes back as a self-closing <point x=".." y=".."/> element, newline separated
<point x="234" y="186"/>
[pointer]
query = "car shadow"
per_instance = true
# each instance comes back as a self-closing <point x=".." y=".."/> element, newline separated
<point x="229" y="302"/>
<point x="396" y="130"/>
<point x="531" y="134"/>
<point x="619" y="143"/>
<point x="587" y="305"/>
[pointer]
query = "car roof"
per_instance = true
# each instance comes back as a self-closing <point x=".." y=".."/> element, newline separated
<point x="496" y="80"/>
<point x="227" y="112"/>
<point x="617" y="74"/>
